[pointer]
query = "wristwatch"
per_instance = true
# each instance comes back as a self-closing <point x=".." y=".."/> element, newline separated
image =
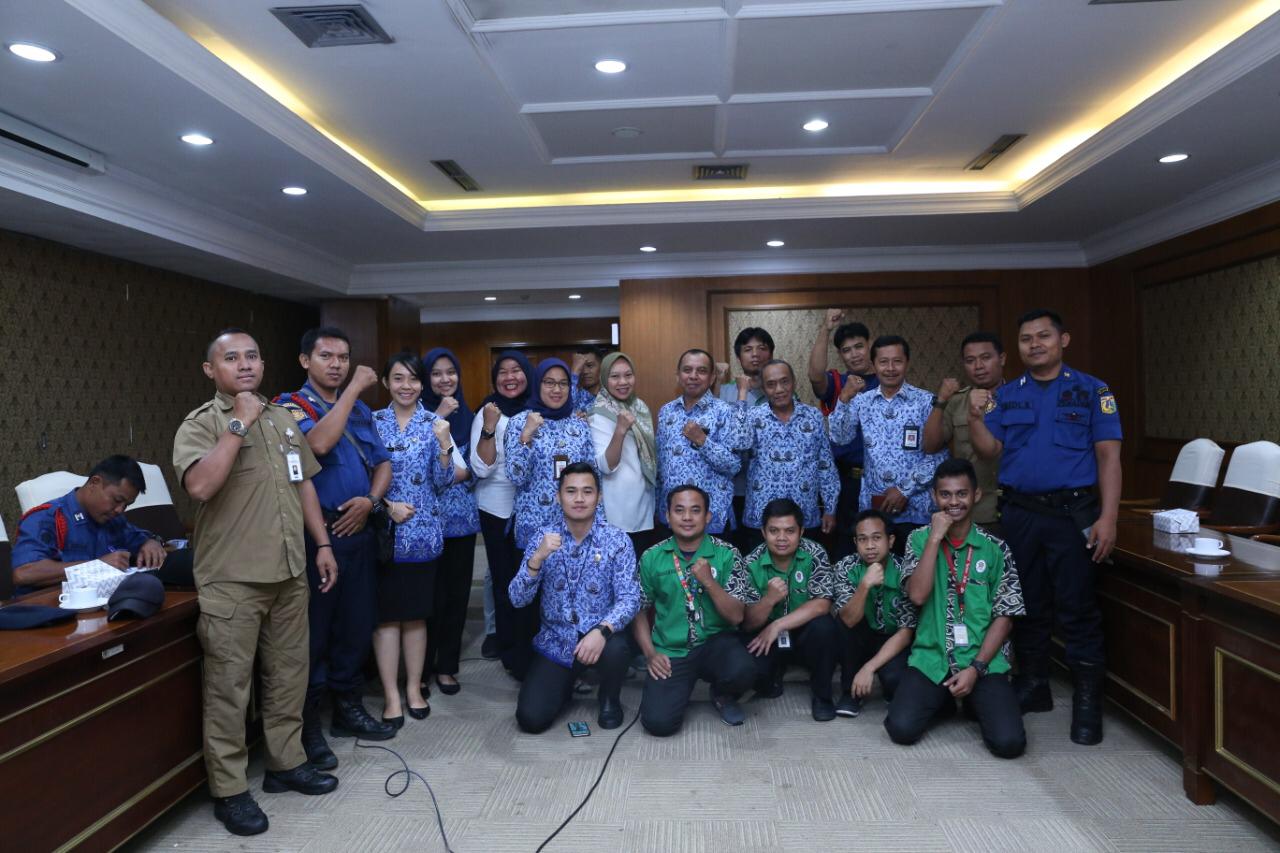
<point x="980" y="667"/>
<point x="605" y="630"/>
<point x="377" y="503"/>
<point x="236" y="426"/>
<point x="938" y="404"/>
<point x="484" y="433"/>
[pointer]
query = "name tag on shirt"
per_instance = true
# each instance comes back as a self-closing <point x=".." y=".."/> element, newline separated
<point x="784" y="639"/>
<point x="960" y="633"/>
<point x="293" y="461"/>
<point x="911" y="437"/>
<point x="561" y="462"/>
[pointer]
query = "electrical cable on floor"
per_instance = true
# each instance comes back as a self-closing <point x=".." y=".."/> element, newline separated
<point x="409" y="776"/>
<point x="594" y="784"/>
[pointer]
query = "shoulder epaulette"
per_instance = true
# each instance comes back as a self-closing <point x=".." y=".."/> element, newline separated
<point x="297" y="402"/>
<point x="59" y="523"/>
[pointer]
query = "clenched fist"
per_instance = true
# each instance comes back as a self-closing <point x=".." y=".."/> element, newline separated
<point x="874" y="576"/>
<point x="531" y="427"/>
<point x="939" y="524"/>
<point x="626" y="421"/>
<point x="980" y="401"/>
<point x="722" y="372"/>
<point x="247" y="407"/>
<point x="835" y="316"/>
<point x="948" y="388"/>
<point x="777" y="590"/>
<point x="549" y="545"/>
<point x="702" y="571"/>
<point x="440" y="428"/>
<point x="853" y="386"/>
<point x="490" y="414"/>
<point x="364" y="377"/>
<point x="695" y="433"/>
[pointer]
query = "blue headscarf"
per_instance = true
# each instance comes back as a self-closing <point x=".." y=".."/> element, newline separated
<point x="535" y="398"/>
<point x="510" y="406"/>
<point x="460" y="420"/>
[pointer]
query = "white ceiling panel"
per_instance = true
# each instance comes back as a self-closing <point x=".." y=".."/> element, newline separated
<point x="857" y="123"/>
<point x="494" y="10"/>
<point x="664" y="131"/>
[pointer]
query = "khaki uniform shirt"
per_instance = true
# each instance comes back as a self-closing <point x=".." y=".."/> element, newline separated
<point x="251" y="530"/>
<point x="955" y="434"/>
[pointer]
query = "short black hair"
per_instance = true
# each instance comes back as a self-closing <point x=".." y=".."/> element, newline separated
<point x="891" y="341"/>
<point x="590" y="349"/>
<point x="983" y="338"/>
<point x="579" y="468"/>
<point x="310" y="336"/>
<point x="1036" y="313"/>
<point x="781" y="508"/>
<point x="869" y="514"/>
<point x="851" y="330"/>
<point x="695" y="351"/>
<point x="752" y="333"/>
<point x="955" y="467"/>
<point x="119" y="467"/>
<point x="783" y="362"/>
<point x="689" y="487"/>
<point x="230" y="330"/>
<point x="409" y="359"/>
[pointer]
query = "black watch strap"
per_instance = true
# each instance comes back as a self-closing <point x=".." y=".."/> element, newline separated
<point x="605" y="630"/>
<point x="979" y="667"/>
<point x="484" y="433"/>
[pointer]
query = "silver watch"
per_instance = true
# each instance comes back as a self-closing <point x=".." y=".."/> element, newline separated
<point x="237" y="427"/>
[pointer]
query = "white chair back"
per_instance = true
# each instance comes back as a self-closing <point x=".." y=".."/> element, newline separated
<point x="47" y="487"/>
<point x="1198" y="463"/>
<point x="1255" y="468"/>
<point x="4" y="537"/>
<point x="157" y="493"/>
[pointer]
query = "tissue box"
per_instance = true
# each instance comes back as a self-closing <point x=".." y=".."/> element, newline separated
<point x="1176" y="521"/>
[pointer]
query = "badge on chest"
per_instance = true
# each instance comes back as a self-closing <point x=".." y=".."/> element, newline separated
<point x="293" y="464"/>
<point x="910" y="437"/>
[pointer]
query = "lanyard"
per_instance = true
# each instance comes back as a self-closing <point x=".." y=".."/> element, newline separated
<point x="689" y="603"/>
<point x="962" y="582"/>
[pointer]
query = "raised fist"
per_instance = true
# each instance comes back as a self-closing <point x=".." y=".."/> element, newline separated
<point x="549" y="545"/>
<point x="939" y="524"/>
<point x="531" y="427"/>
<point x="490" y="414"/>
<point x="702" y="571"/>
<point x="853" y="386"/>
<point x="364" y="377"/>
<point x="947" y="389"/>
<point x="579" y="361"/>
<point x="440" y="427"/>
<point x="722" y="372"/>
<point x="448" y="405"/>
<point x="626" y="421"/>
<point x="874" y="576"/>
<point x="247" y="407"/>
<point x="777" y="589"/>
<point x="835" y="316"/>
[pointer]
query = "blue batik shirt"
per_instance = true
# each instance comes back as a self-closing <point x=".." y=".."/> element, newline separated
<point x="853" y="452"/>
<point x="583" y="584"/>
<point x="892" y="429"/>
<point x="417" y="478"/>
<point x="710" y="467"/>
<point x="459" y="512"/>
<point x="788" y="460"/>
<point x="532" y="469"/>
<point x="583" y="400"/>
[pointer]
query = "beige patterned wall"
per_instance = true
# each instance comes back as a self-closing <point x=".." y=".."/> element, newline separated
<point x="1211" y="355"/>
<point x="934" y="334"/>
<point x="102" y="356"/>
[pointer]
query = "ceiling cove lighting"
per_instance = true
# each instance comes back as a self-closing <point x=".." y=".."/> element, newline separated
<point x="648" y="248"/>
<point x="814" y="125"/>
<point x="197" y="139"/>
<point x="575" y="295"/>
<point x="32" y="52"/>
<point x="294" y="190"/>
<point x="491" y="299"/>
<point x="1174" y="158"/>
<point x="611" y="66"/>
<point x="775" y="244"/>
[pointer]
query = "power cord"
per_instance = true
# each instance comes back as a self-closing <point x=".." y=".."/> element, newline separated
<point x="594" y="784"/>
<point x="409" y="776"/>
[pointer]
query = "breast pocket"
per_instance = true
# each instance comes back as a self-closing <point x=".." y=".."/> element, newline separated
<point x="1018" y="424"/>
<point x="250" y="467"/>
<point x="1071" y="429"/>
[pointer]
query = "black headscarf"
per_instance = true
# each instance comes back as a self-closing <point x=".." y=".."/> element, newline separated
<point x="535" y="401"/>
<point x="510" y="406"/>
<point x="460" y="420"/>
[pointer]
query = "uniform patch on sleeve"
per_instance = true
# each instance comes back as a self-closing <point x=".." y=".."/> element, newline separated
<point x="296" y="411"/>
<point x="1108" y="404"/>
<point x="1104" y="391"/>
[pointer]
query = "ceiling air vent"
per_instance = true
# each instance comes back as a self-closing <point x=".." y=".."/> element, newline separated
<point x="455" y="173"/>
<point x="997" y="148"/>
<point x="735" y="172"/>
<point x="35" y="140"/>
<point x="332" y="26"/>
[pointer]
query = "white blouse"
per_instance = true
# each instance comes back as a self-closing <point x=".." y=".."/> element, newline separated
<point x="494" y="492"/>
<point x="628" y="499"/>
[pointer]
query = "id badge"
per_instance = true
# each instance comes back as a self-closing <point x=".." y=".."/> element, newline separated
<point x="293" y="461"/>
<point x="784" y="639"/>
<point x="561" y="462"/>
<point x="960" y="633"/>
<point x="911" y="437"/>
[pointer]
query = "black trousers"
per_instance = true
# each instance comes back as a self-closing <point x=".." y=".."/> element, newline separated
<point x="993" y="701"/>
<point x="842" y="544"/>
<point x="548" y="686"/>
<point x="516" y="626"/>
<point x="860" y="644"/>
<point x="449" y="608"/>
<point x="814" y="645"/>
<point x="1058" y="576"/>
<point x="721" y="660"/>
<point x="643" y="540"/>
<point x="341" y="621"/>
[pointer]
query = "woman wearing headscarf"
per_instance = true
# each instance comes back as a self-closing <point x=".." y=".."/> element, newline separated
<point x="626" y="454"/>
<point x="512" y="377"/>
<point x="459" y="516"/>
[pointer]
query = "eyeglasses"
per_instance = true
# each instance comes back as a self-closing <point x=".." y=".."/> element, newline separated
<point x="551" y="383"/>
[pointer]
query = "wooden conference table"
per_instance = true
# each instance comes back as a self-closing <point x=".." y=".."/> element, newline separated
<point x="100" y="727"/>
<point x="1193" y="651"/>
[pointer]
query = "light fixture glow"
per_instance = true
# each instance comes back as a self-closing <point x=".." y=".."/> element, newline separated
<point x="611" y="66"/>
<point x="575" y="295"/>
<point x="648" y="248"/>
<point x="32" y="52"/>
<point x="294" y="190"/>
<point x="775" y="244"/>
<point x="491" y="299"/>
<point x="196" y="139"/>
<point x="1174" y="158"/>
<point x="814" y="125"/>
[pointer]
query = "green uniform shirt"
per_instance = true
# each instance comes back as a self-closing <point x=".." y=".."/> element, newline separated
<point x="955" y="435"/>
<point x="885" y="605"/>
<point x="676" y="627"/>
<point x="809" y="576"/>
<point x="993" y="590"/>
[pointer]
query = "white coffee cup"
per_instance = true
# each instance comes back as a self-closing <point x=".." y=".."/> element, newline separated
<point x="1204" y="543"/>
<point x="80" y="596"/>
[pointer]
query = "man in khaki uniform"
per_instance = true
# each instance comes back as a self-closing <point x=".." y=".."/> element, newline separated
<point x="249" y="466"/>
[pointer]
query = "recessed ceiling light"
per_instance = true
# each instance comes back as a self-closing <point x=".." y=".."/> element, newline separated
<point x="814" y="125"/>
<point x="611" y="66"/>
<point x="32" y="52"/>
<point x="491" y="299"/>
<point x="648" y="248"/>
<point x="1174" y="158"/>
<point x="294" y="190"/>
<point x="627" y="132"/>
<point x="575" y="295"/>
<point x="196" y="139"/>
<point x="775" y="244"/>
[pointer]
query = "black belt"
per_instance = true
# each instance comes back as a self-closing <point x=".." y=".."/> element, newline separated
<point x="1080" y="504"/>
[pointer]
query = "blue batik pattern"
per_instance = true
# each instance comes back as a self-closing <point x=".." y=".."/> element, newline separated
<point x="788" y="460"/>
<point x="710" y="467"/>
<point x="459" y="513"/>
<point x="532" y="469"/>
<point x="417" y="478"/>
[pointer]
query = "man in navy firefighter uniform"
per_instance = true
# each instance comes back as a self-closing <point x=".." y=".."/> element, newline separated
<point x="1057" y="434"/>
<point x="355" y="475"/>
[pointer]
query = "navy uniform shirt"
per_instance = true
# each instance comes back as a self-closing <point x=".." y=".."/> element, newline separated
<point x="344" y="475"/>
<point x="1049" y="430"/>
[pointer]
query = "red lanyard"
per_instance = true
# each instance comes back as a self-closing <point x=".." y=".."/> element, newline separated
<point x="961" y="583"/>
<point x="689" y="602"/>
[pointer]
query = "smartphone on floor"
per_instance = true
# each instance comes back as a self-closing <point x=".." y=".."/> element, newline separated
<point x="579" y="728"/>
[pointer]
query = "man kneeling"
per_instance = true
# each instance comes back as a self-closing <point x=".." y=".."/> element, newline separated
<point x="587" y="573"/>
<point x="965" y="585"/>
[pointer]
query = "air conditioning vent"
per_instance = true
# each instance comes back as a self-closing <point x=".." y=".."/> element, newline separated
<point x="735" y="172"/>
<point x="1001" y="145"/>
<point x="17" y="133"/>
<point x="332" y="26"/>
<point x="455" y="173"/>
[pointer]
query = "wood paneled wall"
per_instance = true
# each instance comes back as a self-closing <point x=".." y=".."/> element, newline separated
<point x="378" y="329"/>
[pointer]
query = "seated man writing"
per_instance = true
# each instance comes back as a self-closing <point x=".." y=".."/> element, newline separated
<point x="87" y="523"/>
<point x="699" y="590"/>
<point x="586" y="571"/>
<point x="965" y="585"/>
<point x="793" y="579"/>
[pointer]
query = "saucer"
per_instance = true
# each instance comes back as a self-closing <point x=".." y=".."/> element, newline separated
<point x="1212" y="552"/>
<point x="101" y="603"/>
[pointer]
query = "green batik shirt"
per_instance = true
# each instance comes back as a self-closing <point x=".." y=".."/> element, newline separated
<point x="676" y="627"/>
<point x="993" y="590"/>
<point x="886" y="606"/>
<point x="808" y="577"/>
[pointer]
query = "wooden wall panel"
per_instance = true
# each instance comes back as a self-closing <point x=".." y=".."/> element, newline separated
<point x="378" y="329"/>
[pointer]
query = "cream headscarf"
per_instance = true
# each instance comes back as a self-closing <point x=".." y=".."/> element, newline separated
<point x="609" y="406"/>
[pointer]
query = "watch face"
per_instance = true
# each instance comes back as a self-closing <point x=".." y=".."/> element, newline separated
<point x="237" y="426"/>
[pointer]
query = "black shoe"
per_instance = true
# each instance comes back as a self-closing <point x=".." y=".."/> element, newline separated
<point x="849" y="707"/>
<point x="769" y="690"/>
<point x="304" y="779"/>
<point x="610" y="716"/>
<point x="240" y="814"/>
<point x="447" y="689"/>
<point x="730" y="712"/>
<point x="489" y="648"/>
<point x="824" y="710"/>
<point x="1086" y="704"/>
<point x="419" y="713"/>
<point x="1034" y="696"/>
<point x="396" y="723"/>
<point x="350" y="719"/>
<point x="317" y="748"/>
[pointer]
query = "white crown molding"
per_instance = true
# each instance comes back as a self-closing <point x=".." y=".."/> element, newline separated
<point x="1235" y="195"/>
<point x="817" y="8"/>
<point x="1255" y="47"/>
<point x="593" y="19"/>
<point x="834" y="95"/>
<point x="489" y="313"/>
<point x="621" y="104"/>
<point x="632" y="158"/>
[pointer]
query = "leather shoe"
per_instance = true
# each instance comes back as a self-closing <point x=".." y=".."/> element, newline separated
<point x="610" y="716"/>
<point x="396" y="723"/>
<point x="240" y="814"/>
<point x="350" y="719"/>
<point x="419" y="713"/>
<point x="304" y="779"/>
<point x="447" y="689"/>
<point x="489" y="648"/>
<point x="769" y="690"/>
<point x="823" y="709"/>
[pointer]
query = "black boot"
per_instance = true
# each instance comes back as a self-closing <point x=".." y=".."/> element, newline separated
<point x="313" y="742"/>
<point x="610" y="716"/>
<point x="350" y="719"/>
<point x="1034" y="696"/>
<point x="1086" y="704"/>
<point x="240" y="814"/>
